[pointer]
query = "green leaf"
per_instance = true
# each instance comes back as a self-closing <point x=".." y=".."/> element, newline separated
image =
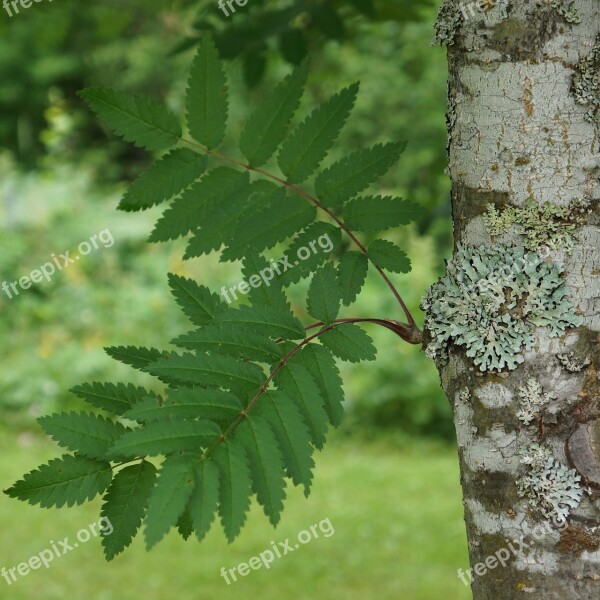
<point x="308" y="144"/>
<point x="114" y="398"/>
<point x="309" y="249"/>
<point x="293" y="437"/>
<point x="323" y="301"/>
<point x="185" y="403"/>
<point x="377" y="213"/>
<point x="205" y="499"/>
<point x="234" y="486"/>
<point x="185" y="526"/>
<point x="138" y="358"/>
<point x="386" y="255"/>
<point x="206" y="100"/>
<point x="169" y="497"/>
<point x="68" y="480"/>
<point x="265" y="289"/>
<point x="266" y="465"/>
<point x="267" y="126"/>
<point x="166" y="178"/>
<point x="351" y="275"/>
<point x="215" y="369"/>
<point x="349" y="342"/>
<point x="263" y="320"/>
<point x="296" y="382"/>
<point x="203" y="205"/>
<point x="164" y="437"/>
<point x="267" y="227"/>
<point x="356" y="172"/>
<point x="145" y="123"/>
<point x="322" y="367"/>
<point x="89" y="435"/>
<point x="125" y="505"/>
<point x="198" y="303"/>
<point x="231" y="341"/>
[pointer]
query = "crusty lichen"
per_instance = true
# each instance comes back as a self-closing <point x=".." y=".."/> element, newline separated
<point x="447" y="24"/>
<point x="548" y="225"/>
<point x="552" y="488"/>
<point x="491" y="300"/>
<point x="567" y="11"/>
<point x="533" y="398"/>
<point x="571" y="363"/>
<point x="586" y="83"/>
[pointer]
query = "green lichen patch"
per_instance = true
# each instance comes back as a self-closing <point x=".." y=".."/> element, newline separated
<point x="551" y="487"/>
<point x="571" y="363"/>
<point x="586" y="83"/>
<point x="532" y="399"/>
<point x="448" y="22"/>
<point x="567" y="11"/>
<point x="490" y="302"/>
<point x="548" y="225"/>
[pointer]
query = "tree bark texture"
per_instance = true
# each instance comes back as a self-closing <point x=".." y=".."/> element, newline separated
<point x="522" y="134"/>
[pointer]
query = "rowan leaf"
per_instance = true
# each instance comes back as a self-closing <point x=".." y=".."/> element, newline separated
<point x="89" y="435"/>
<point x="296" y="382"/>
<point x="166" y="178"/>
<point x="293" y="437"/>
<point x="234" y="486"/>
<point x="213" y="369"/>
<point x="188" y="403"/>
<point x="198" y="303"/>
<point x="115" y="398"/>
<point x="323" y="300"/>
<point x="67" y="480"/>
<point x="169" y="497"/>
<point x="378" y="213"/>
<point x="163" y="437"/>
<point x="311" y="140"/>
<point x="206" y="99"/>
<point x="125" y="505"/>
<point x="351" y="275"/>
<point x="231" y="341"/>
<point x="349" y="342"/>
<point x="356" y="172"/>
<point x="267" y="126"/>
<point x="388" y="256"/>
<point x="266" y="465"/>
<point x="322" y="367"/>
<point x="138" y="358"/>
<point x="145" y="123"/>
<point x="205" y="498"/>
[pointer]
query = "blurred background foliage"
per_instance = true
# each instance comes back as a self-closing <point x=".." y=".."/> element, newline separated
<point x="62" y="176"/>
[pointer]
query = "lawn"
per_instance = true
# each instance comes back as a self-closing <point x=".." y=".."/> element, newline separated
<point x="396" y="511"/>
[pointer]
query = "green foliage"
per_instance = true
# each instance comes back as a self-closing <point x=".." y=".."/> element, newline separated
<point x="136" y="119"/>
<point x="349" y="343"/>
<point x="323" y="295"/>
<point x="308" y="144"/>
<point x="355" y="173"/>
<point x="206" y="99"/>
<point x="87" y="434"/>
<point x="169" y="497"/>
<point x="388" y="256"/>
<point x="168" y="177"/>
<point x="68" y="480"/>
<point x="125" y="505"/>
<point x="228" y="428"/>
<point x="376" y="213"/>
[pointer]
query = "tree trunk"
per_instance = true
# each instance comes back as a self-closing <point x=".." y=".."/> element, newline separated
<point x="525" y="166"/>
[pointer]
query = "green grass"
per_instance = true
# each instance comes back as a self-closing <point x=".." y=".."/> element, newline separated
<point x="396" y="511"/>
